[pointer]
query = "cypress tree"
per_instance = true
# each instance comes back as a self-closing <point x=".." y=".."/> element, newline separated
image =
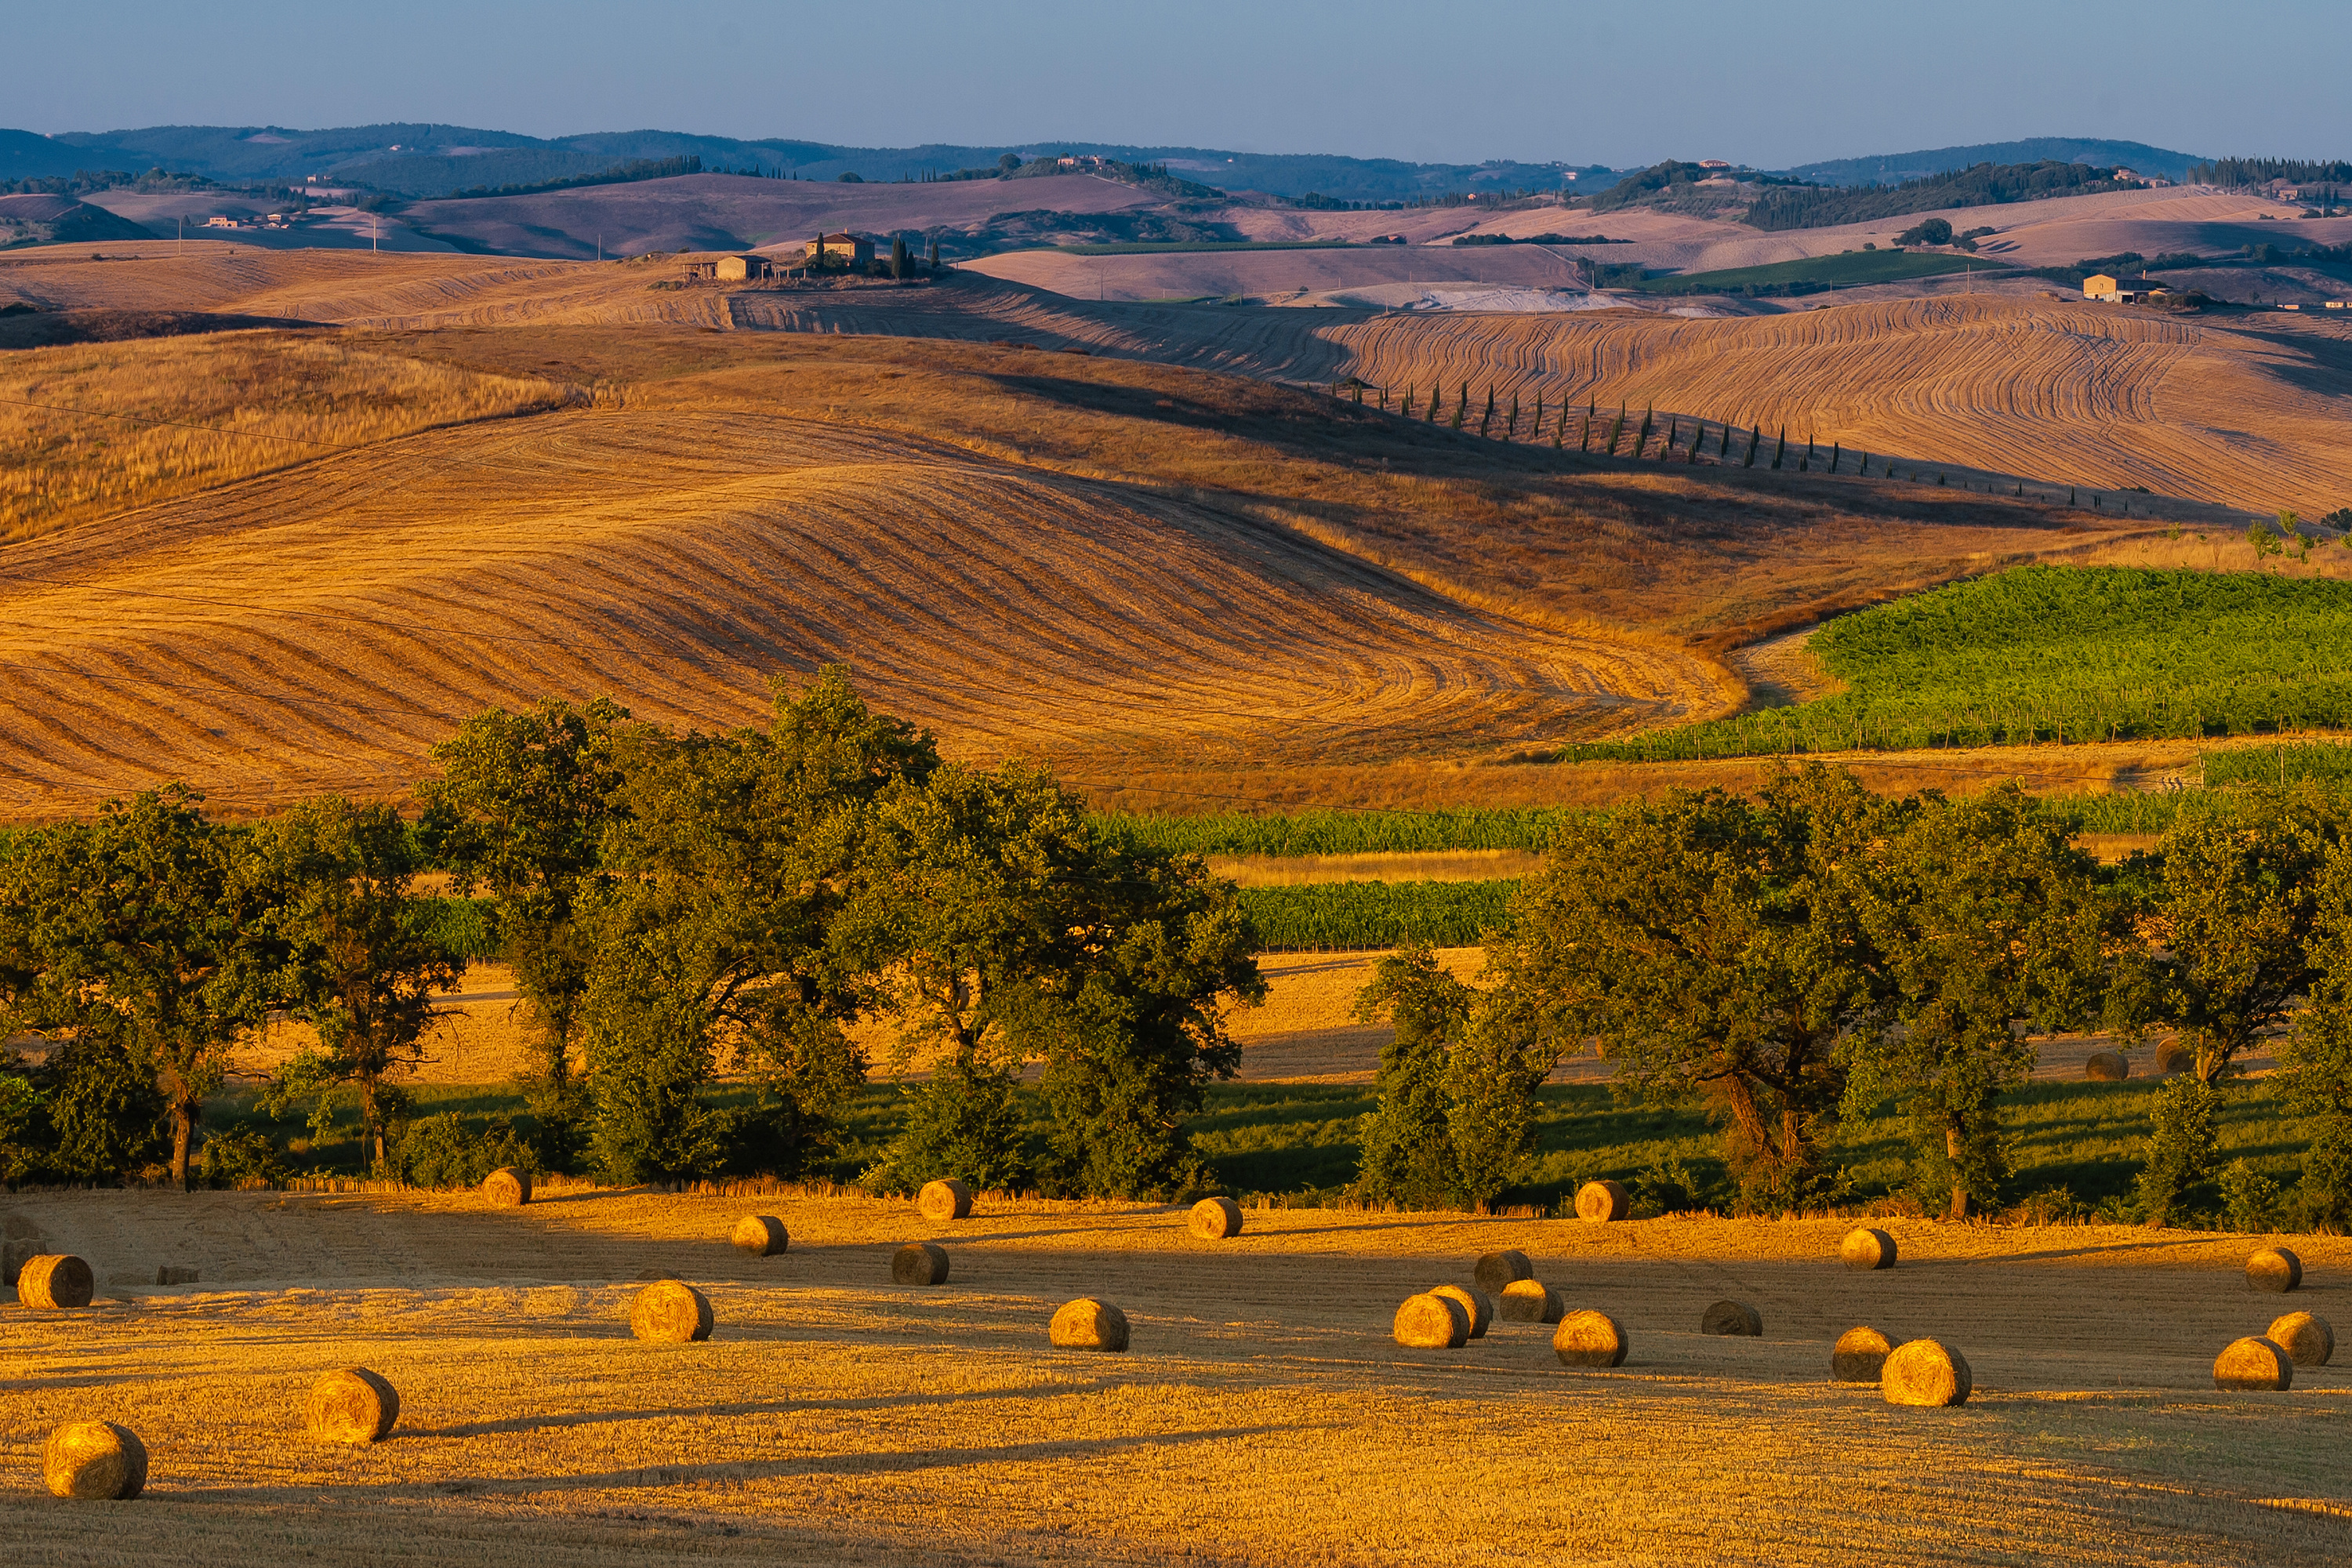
<point x="1560" y="435"/>
<point x="1723" y="451"/>
<point x="1863" y="468"/>
<point x="1755" y="439"/>
<point x="935" y="255"/>
<point x="1487" y="420"/>
<point x="1806" y="467"/>
<point x="1436" y="397"/>
<point x="1780" y="451"/>
<point x="1584" y="436"/>
<point x="1616" y="429"/>
<point x="1511" y="430"/>
<point x="1384" y="400"/>
<point x="1836" y="451"/>
<point x="1641" y="439"/>
<point x="1359" y="394"/>
<point x="2070" y="495"/>
<point x="1674" y="433"/>
<point x="1408" y="401"/>
<point x="1461" y="407"/>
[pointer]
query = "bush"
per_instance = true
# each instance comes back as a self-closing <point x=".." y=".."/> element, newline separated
<point x="239" y="1158"/>
<point x="443" y="1152"/>
<point x="2250" y="1200"/>
<point x="2180" y="1150"/>
<point x="107" y="1120"/>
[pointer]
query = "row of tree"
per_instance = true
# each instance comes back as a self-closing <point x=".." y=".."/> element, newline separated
<point x="1818" y="950"/>
<point x="674" y="907"/>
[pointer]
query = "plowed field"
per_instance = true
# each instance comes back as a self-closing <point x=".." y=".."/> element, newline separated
<point x="1263" y="1414"/>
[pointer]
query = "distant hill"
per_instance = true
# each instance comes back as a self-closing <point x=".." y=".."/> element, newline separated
<point x="1893" y="168"/>
<point x="60" y="220"/>
<point x="426" y="160"/>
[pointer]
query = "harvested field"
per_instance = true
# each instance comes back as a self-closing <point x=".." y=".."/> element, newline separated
<point x="937" y="1425"/>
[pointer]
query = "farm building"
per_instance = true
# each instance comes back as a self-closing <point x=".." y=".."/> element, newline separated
<point x="732" y="269"/>
<point x="841" y="247"/>
<point x="2122" y="290"/>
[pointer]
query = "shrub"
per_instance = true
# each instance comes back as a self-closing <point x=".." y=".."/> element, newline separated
<point x="444" y="1151"/>
<point x="2181" y="1149"/>
<point x="2250" y="1200"/>
<point x="241" y="1157"/>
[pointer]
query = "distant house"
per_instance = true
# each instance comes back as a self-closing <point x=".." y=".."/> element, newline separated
<point x="2122" y="290"/>
<point x="733" y="269"/>
<point x="222" y="223"/>
<point x="843" y="247"/>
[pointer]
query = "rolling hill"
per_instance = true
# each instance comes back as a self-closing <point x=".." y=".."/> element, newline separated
<point x="1893" y="168"/>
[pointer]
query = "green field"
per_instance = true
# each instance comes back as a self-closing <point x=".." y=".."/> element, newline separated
<point x="1324" y="917"/>
<point x="2053" y="653"/>
<point x="1324" y="832"/>
<point x="1812" y="273"/>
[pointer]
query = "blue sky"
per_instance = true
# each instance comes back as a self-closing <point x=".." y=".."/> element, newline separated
<point x="1773" y="82"/>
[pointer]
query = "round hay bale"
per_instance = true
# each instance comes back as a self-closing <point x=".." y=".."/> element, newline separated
<point x="919" y="1263"/>
<point x="1476" y="1302"/>
<point x="88" y="1460"/>
<point x="1589" y="1339"/>
<point x="2307" y="1339"/>
<point x="2106" y="1067"/>
<point x="1430" y="1321"/>
<point x="1603" y="1202"/>
<point x="1087" y="1324"/>
<point x="1859" y="1355"/>
<point x="1926" y="1371"/>
<point x="2172" y="1057"/>
<point x="1532" y="1302"/>
<point x="508" y="1187"/>
<point x="2273" y="1269"/>
<point x="2254" y="1365"/>
<point x="761" y="1235"/>
<point x="671" y="1311"/>
<point x="54" y="1281"/>
<point x="1215" y="1219"/>
<point x="1867" y="1248"/>
<point x="1497" y="1269"/>
<point x="1732" y="1318"/>
<point x="945" y="1200"/>
<point x="353" y="1405"/>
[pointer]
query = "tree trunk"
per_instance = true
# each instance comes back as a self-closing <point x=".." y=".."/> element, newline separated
<point x="1960" y="1205"/>
<point x="183" y="1124"/>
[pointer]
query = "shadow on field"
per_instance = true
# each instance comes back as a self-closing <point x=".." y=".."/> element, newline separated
<point x="753" y="1408"/>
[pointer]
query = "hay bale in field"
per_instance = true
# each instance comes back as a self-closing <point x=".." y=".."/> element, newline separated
<point x="1603" y="1202"/>
<point x="509" y="1186"/>
<point x="761" y="1235"/>
<point x="1532" y="1302"/>
<point x="2172" y="1057"/>
<point x="2274" y="1269"/>
<point x="2106" y="1067"/>
<point x="2254" y="1365"/>
<point x="1732" y="1318"/>
<point x="1859" y="1355"/>
<point x="1589" y="1339"/>
<point x="945" y="1200"/>
<point x="1215" y="1219"/>
<point x="176" y="1273"/>
<point x="919" y="1263"/>
<point x="671" y="1311"/>
<point x="89" y="1460"/>
<point x="1497" y="1269"/>
<point x="2307" y="1339"/>
<point x="353" y="1405"/>
<point x="1475" y="1301"/>
<point x="1087" y="1324"/>
<point x="54" y="1281"/>
<point x="1430" y="1321"/>
<point x="1926" y="1371"/>
<point x="1867" y="1248"/>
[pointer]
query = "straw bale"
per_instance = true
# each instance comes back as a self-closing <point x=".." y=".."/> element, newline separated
<point x="54" y="1280"/>
<point x="176" y="1273"/>
<point x="1732" y="1318"/>
<point x="1926" y="1371"/>
<point x="2106" y="1067"/>
<point x="1867" y="1248"/>
<point x="1430" y="1321"/>
<point x="1532" y="1302"/>
<point x="2172" y="1057"/>
<point x="1087" y="1324"/>
<point x="353" y="1405"/>
<point x="2307" y="1338"/>
<point x="1589" y="1339"/>
<point x="670" y="1311"/>
<point x="1215" y="1219"/>
<point x="1603" y="1201"/>
<point x="761" y="1235"/>
<point x="1859" y="1355"/>
<point x="88" y="1460"/>
<point x="919" y="1263"/>
<point x="945" y="1200"/>
<point x="2274" y="1269"/>
<point x="509" y="1186"/>
<point x="1475" y="1301"/>
<point x="2254" y="1365"/>
<point x="1497" y="1269"/>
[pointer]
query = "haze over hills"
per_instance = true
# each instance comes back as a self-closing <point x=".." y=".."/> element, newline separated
<point x="1893" y="168"/>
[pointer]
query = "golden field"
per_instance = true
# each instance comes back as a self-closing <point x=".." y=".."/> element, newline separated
<point x="1263" y="1414"/>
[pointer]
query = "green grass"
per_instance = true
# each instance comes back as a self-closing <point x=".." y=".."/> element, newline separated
<point x="2328" y="762"/>
<point x="1323" y="832"/>
<point x="1326" y="916"/>
<point x="2056" y="653"/>
<point x="1852" y="269"/>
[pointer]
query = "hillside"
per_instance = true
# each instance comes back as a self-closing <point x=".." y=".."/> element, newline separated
<point x="1893" y="168"/>
<point x="60" y="220"/>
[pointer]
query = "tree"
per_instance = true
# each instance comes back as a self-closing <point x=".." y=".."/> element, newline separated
<point x="1487" y="420"/>
<point x="1407" y="1148"/>
<point x="1584" y="434"/>
<point x="356" y="957"/>
<point x="1755" y="439"/>
<point x="1985" y="913"/>
<point x="732" y="858"/>
<point x="1641" y="439"/>
<point x="900" y="266"/>
<point x="520" y="810"/>
<point x="1491" y="1077"/>
<point x="1781" y="450"/>
<point x="137" y="935"/>
<point x="1462" y="408"/>
<point x="2316" y="1060"/>
<point x="1712" y="948"/>
<point x="1616" y="430"/>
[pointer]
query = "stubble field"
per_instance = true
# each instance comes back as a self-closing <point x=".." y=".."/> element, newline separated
<point x="1263" y="1414"/>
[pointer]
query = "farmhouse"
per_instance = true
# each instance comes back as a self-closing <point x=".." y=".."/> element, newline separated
<point x="2122" y="290"/>
<point x="841" y="247"/>
<point x="733" y="269"/>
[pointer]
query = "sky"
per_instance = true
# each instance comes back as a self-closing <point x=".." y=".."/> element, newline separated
<point x="1773" y="85"/>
